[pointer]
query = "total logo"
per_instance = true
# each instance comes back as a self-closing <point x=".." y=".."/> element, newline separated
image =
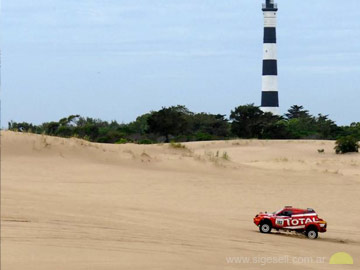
<point x="295" y="222"/>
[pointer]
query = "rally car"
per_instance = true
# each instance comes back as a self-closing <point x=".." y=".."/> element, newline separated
<point x="291" y="219"/>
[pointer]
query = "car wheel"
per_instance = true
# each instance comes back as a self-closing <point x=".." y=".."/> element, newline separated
<point x="265" y="227"/>
<point x="312" y="234"/>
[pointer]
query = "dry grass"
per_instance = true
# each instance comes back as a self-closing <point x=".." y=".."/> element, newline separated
<point x="177" y="145"/>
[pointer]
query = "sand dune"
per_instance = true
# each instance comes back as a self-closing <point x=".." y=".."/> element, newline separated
<point x="71" y="204"/>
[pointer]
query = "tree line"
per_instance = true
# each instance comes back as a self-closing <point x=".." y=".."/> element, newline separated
<point x="177" y="123"/>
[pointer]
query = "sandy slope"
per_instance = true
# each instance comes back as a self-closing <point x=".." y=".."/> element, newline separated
<point x="70" y="204"/>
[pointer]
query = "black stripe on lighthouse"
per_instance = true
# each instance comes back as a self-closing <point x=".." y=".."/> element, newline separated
<point x="269" y="35"/>
<point x="269" y="67"/>
<point x="270" y="99"/>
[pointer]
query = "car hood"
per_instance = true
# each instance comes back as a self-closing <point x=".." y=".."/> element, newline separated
<point x="265" y="214"/>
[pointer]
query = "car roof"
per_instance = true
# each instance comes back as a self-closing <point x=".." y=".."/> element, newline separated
<point x="298" y="210"/>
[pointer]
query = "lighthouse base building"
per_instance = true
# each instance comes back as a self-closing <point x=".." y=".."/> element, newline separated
<point x="270" y="95"/>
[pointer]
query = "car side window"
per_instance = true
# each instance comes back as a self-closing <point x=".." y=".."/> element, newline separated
<point x="285" y="213"/>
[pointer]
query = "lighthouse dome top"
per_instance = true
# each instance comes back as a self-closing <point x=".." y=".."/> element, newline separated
<point x="269" y="6"/>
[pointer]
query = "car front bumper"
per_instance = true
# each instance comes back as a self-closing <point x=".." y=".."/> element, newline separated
<point x="322" y="227"/>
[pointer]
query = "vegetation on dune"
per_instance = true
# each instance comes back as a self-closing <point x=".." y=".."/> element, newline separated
<point x="346" y="144"/>
<point x="177" y="145"/>
<point x="178" y="124"/>
<point x="168" y="121"/>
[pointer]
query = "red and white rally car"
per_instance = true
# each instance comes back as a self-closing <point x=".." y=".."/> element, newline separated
<point x="292" y="219"/>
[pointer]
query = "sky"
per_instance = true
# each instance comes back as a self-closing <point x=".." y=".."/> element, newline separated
<point x="118" y="59"/>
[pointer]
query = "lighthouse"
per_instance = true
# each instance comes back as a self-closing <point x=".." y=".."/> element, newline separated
<point x="269" y="94"/>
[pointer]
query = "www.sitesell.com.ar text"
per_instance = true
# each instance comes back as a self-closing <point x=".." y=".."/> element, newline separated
<point x="264" y="260"/>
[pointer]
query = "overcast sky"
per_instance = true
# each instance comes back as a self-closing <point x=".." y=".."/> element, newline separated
<point x="117" y="59"/>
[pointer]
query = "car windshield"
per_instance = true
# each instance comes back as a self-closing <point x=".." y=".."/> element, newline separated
<point x="277" y="212"/>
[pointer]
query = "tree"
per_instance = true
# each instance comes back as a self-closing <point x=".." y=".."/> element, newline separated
<point x="300" y="124"/>
<point x="353" y="130"/>
<point x="208" y="126"/>
<point x="250" y="121"/>
<point x="21" y="127"/>
<point x="326" y="128"/>
<point x="51" y="127"/>
<point x="168" y="121"/>
<point x="140" y="125"/>
<point x="68" y="121"/>
<point x="273" y="127"/>
<point x="296" y="111"/>
<point x="246" y="121"/>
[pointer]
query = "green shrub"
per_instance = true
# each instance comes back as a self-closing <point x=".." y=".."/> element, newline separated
<point x="225" y="156"/>
<point x="122" y="141"/>
<point x="145" y="141"/>
<point x="203" y="137"/>
<point x="177" y="145"/>
<point x="346" y="144"/>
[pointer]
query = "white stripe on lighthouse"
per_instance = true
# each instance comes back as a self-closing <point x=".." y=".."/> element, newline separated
<point x="273" y="110"/>
<point x="270" y="51"/>
<point x="270" y="19"/>
<point x="269" y="83"/>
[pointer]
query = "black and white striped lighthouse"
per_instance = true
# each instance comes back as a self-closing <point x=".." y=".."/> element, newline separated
<point x="269" y="95"/>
